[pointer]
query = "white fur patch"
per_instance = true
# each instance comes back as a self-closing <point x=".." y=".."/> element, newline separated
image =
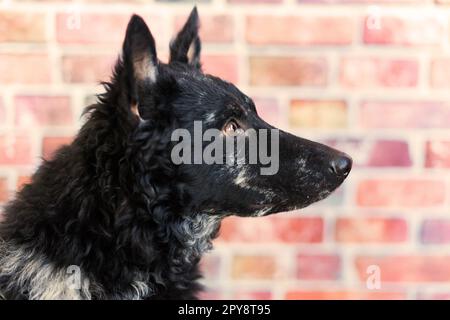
<point x="152" y="74"/>
<point x="242" y="179"/>
<point x="41" y="279"/>
<point x="30" y="272"/>
<point x="145" y="69"/>
<point x="140" y="290"/>
<point x="210" y="117"/>
<point x="262" y="212"/>
<point x="197" y="234"/>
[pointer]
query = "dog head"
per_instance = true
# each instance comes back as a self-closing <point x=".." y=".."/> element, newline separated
<point x="233" y="162"/>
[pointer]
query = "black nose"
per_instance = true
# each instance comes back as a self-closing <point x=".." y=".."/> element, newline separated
<point x="341" y="165"/>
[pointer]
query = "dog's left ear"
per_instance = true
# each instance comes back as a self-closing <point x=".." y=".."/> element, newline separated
<point x="140" y="60"/>
<point x="186" y="46"/>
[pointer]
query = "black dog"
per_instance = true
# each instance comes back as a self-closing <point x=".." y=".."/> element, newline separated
<point x="113" y="217"/>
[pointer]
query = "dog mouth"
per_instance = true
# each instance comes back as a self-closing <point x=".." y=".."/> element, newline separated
<point x="265" y="209"/>
<point x="286" y="204"/>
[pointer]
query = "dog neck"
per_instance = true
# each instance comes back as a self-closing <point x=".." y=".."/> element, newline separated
<point x="29" y="274"/>
<point x="196" y="233"/>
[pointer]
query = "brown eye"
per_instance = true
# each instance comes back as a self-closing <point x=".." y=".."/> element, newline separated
<point x="232" y="128"/>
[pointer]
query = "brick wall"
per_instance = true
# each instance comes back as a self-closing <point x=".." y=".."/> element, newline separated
<point x="369" y="77"/>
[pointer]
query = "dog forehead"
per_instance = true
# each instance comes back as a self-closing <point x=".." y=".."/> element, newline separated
<point x="211" y="90"/>
<point x="193" y="78"/>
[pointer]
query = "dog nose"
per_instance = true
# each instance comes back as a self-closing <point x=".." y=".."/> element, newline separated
<point x="341" y="165"/>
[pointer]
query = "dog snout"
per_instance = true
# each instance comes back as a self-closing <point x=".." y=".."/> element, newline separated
<point x="341" y="165"/>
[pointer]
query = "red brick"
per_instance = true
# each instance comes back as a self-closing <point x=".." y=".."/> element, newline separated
<point x="403" y="114"/>
<point x="22" y="27"/>
<point x="345" y="295"/>
<point x="51" y="144"/>
<point x="4" y="194"/>
<point x="401" y="193"/>
<point x="24" y="68"/>
<point x="98" y="28"/>
<point x="211" y="294"/>
<point x="251" y="295"/>
<point x="214" y="28"/>
<point x="288" y="71"/>
<point x="363" y="1"/>
<point x="253" y="267"/>
<point x="436" y="231"/>
<point x="88" y="69"/>
<point x="318" y="267"/>
<point x="374" y="153"/>
<point x="272" y="229"/>
<point x="433" y="295"/>
<point x="223" y="66"/>
<point x="406" y="268"/>
<point x="268" y="109"/>
<point x="368" y="72"/>
<point x="15" y="150"/>
<point x="318" y="114"/>
<point x="299" y="30"/>
<point x="254" y="1"/>
<point x="437" y="154"/>
<point x="387" y="153"/>
<point x="405" y="30"/>
<point x="440" y="73"/>
<point x="364" y="230"/>
<point x="2" y="112"/>
<point x="43" y="111"/>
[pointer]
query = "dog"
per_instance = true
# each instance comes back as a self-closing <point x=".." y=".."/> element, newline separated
<point x="112" y="216"/>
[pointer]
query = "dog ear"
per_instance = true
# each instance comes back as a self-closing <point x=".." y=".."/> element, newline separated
<point x="186" y="46"/>
<point x="139" y="58"/>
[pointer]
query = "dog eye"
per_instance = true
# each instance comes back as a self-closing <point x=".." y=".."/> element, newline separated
<point x="232" y="128"/>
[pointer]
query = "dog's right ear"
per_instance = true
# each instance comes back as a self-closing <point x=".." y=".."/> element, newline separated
<point x="139" y="59"/>
<point x="186" y="46"/>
